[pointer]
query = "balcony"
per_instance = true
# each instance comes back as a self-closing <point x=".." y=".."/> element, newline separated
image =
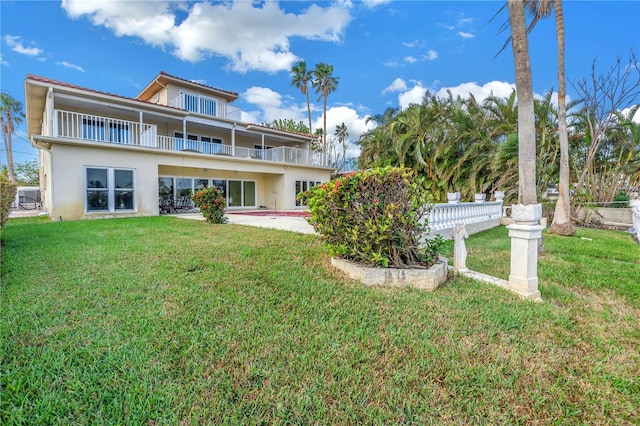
<point x="206" y="106"/>
<point x="95" y="128"/>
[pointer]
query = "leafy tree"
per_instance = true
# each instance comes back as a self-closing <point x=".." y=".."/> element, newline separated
<point x="288" y="125"/>
<point x="300" y="79"/>
<point x="325" y="83"/>
<point x="28" y="173"/>
<point x="11" y="116"/>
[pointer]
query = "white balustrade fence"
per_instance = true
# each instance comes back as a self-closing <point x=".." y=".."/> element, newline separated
<point x="475" y="216"/>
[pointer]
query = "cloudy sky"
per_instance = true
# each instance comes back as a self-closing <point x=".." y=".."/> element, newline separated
<point x="385" y="53"/>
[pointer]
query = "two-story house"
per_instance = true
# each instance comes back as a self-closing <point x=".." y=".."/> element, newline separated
<point x="105" y="155"/>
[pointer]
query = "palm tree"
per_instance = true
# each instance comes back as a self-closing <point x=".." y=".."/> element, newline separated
<point x="324" y="82"/>
<point x="526" y="114"/>
<point x="562" y="217"/>
<point x="342" y="134"/>
<point x="11" y="116"/>
<point x="300" y="79"/>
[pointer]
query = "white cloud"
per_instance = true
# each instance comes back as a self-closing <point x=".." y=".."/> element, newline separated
<point x="411" y="96"/>
<point x="416" y="94"/>
<point x="414" y="43"/>
<point x="356" y="126"/>
<point x="398" y="85"/>
<point x="465" y="34"/>
<point x="431" y="55"/>
<point x="251" y="36"/>
<point x="370" y="4"/>
<point x="16" y="45"/>
<point x="271" y="106"/>
<point x="410" y="59"/>
<point x="71" y="66"/>
<point x="2" y="61"/>
<point x="497" y="88"/>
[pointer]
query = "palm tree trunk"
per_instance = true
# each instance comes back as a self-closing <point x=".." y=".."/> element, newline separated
<point x="526" y="117"/>
<point x="309" y="111"/>
<point x="562" y="216"/>
<point x="324" y="133"/>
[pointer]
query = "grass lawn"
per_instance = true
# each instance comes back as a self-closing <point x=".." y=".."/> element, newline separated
<point x="169" y="321"/>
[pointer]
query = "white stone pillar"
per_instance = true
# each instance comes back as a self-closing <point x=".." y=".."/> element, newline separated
<point x="525" y="234"/>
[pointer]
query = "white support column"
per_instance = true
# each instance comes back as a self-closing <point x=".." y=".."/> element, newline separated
<point x="525" y="234"/>
<point x="141" y="130"/>
<point x="233" y="140"/>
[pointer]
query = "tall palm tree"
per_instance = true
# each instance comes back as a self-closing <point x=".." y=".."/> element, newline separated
<point x="342" y="134"/>
<point x="325" y="83"/>
<point x="562" y="217"/>
<point x="526" y="117"/>
<point x="11" y="116"/>
<point x="300" y="79"/>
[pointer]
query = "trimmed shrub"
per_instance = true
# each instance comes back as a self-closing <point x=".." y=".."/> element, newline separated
<point x="7" y="196"/>
<point x="374" y="217"/>
<point x="211" y="203"/>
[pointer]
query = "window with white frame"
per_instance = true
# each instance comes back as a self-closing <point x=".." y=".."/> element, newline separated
<point x="302" y="186"/>
<point x="109" y="189"/>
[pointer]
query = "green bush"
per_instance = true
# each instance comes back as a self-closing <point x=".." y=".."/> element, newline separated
<point x="374" y="217"/>
<point x="7" y="196"/>
<point x="211" y="203"/>
<point x="621" y="200"/>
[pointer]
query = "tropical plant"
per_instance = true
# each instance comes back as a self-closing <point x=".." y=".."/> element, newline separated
<point x="211" y="203"/>
<point x="300" y="78"/>
<point x="374" y="217"/>
<point x="341" y="134"/>
<point x="8" y="191"/>
<point x="288" y="125"/>
<point x="325" y="83"/>
<point x="11" y="116"/>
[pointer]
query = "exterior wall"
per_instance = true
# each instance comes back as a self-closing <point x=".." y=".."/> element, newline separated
<point x="173" y="91"/>
<point x="64" y="190"/>
<point x="68" y="170"/>
<point x="299" y="173"/>
<point x="45" y="180"/>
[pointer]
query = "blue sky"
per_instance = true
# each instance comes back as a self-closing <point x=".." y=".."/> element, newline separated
<point x="385" y="53"/>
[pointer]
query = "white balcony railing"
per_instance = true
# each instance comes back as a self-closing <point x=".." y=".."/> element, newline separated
<point x="109" y="130"/>
<point x="103" y="129"/>
<point x="206" y="106"/>
<point x="445" y="216"/>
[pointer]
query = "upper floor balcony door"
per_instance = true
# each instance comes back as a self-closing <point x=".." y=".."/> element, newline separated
<point x="198" y="103"/>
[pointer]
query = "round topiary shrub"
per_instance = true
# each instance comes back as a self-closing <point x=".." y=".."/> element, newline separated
<point x="211" y="203"/>
<point x="375" y="217"/>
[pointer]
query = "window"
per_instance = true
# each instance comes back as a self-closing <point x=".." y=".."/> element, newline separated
<point x="302" y="186"/>
<point x="190" y="102"/>
<point x="93" y="129"/>
<point x="109" y="189"/>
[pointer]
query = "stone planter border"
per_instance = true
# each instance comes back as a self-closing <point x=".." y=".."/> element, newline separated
<point x="422" y="278"/>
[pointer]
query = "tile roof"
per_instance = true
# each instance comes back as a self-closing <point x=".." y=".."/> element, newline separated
<point x="99" y="92"/>
<point x="199" y="84"/>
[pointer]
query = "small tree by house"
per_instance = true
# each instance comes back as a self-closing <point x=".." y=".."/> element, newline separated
<point x="211" y="203"/>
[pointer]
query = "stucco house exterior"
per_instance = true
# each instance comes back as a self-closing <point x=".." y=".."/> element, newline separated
<point x="105" y="155"/>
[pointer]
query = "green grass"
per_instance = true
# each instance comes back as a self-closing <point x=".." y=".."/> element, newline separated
<point x="169" y="321"/>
